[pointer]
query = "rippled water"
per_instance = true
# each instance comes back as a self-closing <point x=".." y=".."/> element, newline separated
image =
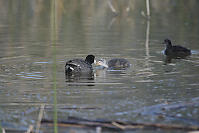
<point x="150" y="88"/>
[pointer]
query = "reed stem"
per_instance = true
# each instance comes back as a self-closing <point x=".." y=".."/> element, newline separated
<point x="148" y="8"/>
<point x="53" y="37"/>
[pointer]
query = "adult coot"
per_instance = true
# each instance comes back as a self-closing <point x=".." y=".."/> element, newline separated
<point x="175" y="51"/>
<point x="116" y="63"/>
<point x="80" y="66"/>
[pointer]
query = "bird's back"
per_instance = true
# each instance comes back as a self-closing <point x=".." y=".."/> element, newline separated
<point x="177" y="51"/>
<point x="77" y="66"/>
<point x="118" y="63"/>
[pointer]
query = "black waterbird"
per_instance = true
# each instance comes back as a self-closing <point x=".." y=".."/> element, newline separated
<point x="80" y="66"/>
<point x="175" y="51"/>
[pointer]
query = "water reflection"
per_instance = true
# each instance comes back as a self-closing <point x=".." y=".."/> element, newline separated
<point x="80" y="77"/>
<point x="89" y="27"/>
<point x="33" y="75"/>
<point x="168" y="59"/>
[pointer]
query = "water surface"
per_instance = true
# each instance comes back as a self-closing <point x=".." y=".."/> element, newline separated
<point x="148" y="89"/>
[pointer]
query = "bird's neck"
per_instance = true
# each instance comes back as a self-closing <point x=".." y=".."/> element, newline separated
<point x="168" y="46"/>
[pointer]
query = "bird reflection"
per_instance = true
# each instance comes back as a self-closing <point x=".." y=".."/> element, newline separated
<point x="169" y="59"/>
<point x="80" y="80"/>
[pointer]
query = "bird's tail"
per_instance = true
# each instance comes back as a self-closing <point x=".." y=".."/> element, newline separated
<point x="68" y="69"/>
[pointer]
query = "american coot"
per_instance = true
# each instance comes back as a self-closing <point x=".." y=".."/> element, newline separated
<point x="175" y="51"/>
<point x="116" y="63"/>
<point x="80" y="66"/>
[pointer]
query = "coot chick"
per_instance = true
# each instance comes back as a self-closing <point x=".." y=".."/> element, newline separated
<point x="116" y="63"/>
<point x="80" y="66"/>
<point x="175" y="51"/>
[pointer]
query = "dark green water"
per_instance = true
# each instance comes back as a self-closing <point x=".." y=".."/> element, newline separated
<point x="141" y="94"/>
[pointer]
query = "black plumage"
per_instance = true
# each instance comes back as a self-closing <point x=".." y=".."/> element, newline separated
<point x="79" y="66"/>
<point x="175" y="51"/>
